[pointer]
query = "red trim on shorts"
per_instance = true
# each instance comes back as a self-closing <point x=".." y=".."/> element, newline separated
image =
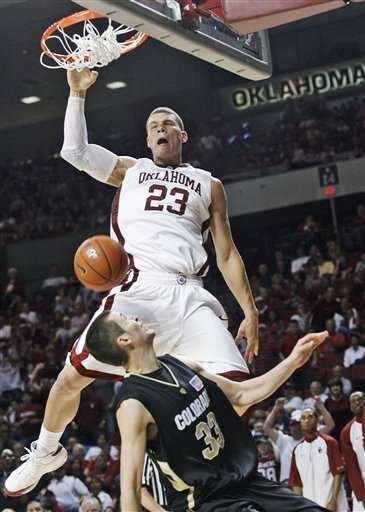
<point x="236" y="375"/>
<point x="93" y="374"/>
<point x="76" y="359"/>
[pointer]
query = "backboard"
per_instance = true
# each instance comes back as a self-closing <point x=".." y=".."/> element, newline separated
<point x="205" y="37"/>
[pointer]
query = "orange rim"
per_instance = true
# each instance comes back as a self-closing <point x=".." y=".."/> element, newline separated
<point x="77" y="17"/>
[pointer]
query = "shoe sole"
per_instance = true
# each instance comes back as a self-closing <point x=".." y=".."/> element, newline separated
<point x="21" y="492"/>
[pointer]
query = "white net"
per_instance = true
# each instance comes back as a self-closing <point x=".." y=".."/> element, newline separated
<point x="92" y="49"/>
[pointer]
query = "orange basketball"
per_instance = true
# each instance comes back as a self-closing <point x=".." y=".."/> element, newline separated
<point x="100" y="263"/>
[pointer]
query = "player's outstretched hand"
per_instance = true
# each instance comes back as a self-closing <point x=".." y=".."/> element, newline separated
<point x="80" y="81"/>
<point x="305" y="347"/>
<point x="249" y="330"/>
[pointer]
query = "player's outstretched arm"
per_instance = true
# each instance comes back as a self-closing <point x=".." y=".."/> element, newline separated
<point x="98" y="162"/>
<point x="233" y="269"/>
<point x="243" y="395"/>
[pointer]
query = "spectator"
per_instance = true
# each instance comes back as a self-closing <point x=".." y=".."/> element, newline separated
<point x="338" y="373"/>
<point x="325" y="308"/>
<point x="10" y="382"/>
<point x="90" y="504"/>
<point x="268" y="460"/>
<point x="102" y="442"/>
<point x="354" y="353"/>
<point x="300" y="378"/>
<point x="96" y="489"/>
<point x="352" y="444"/>
<point x="268" y="352"/>
<point x="27" y="418"/>
<point x="79" y="316"/>
<point x="34" y="506"/>
<point x="338" y="405"/>
<point x="297" y="265"/>
<point x="286" y="443"/>
<point x="292" y="401"/>
<point x="105" y="469"/>
<point x="48" y="501"/>
<point x="264" y="275"/>
<point x="67" y="490"/>
<point x="358" y="225"/>
<point x="27" y="315"/>
<point x="316" y="390"/>
<point x="5" y="328"/>
<point x="52" y="283"/>
<point x="348" y="320"/>
<point x="258" y="428"/>
<point x="90" y="417"/>
<point x="11" y="288"/>
<point x="63" y="337"/>
<point x="335" y="342"/>
<point x="7" y="465"/>
<point x="303" y="316"/>
<point x="317" y="469"/>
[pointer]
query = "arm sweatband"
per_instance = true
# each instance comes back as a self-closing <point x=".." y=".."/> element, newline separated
<point x="98" y="162"/>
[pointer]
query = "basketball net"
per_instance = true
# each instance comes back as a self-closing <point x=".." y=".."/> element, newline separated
<point x="92" y="49"/>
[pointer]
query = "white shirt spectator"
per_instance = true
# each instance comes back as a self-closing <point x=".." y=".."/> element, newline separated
<point x="286" y="445"/>
<point x="351" y="355"/>
<point x="296" y="402"/>
<point x="68" y="490"/>
<point x="314" y="465"/>
<point x="298" y="264"/>
<point x="310" y="403"/>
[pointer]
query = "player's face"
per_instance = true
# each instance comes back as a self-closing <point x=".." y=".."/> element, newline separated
<point x="308" y="421"/>
<point x="357" y="402"/>
<point x="132" y="327"/>
<point x="164" y="138"/>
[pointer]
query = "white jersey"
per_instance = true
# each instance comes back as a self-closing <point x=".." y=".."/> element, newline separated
<point x="314" y="465"/>
<point x="161" y="216"/>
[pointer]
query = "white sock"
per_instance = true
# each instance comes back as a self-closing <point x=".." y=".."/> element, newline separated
<point x="48" y="440"/>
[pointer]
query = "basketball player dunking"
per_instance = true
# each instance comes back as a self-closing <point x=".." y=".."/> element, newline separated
<point x="162" y="215"/>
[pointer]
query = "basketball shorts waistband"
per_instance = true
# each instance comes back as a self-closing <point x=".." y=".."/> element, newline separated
<point x="167" y="278"/>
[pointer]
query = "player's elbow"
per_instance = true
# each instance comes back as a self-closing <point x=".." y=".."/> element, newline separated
<point x="74" y="157"/>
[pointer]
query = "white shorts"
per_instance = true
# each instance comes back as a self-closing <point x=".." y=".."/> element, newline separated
<point x="188" y="321"/>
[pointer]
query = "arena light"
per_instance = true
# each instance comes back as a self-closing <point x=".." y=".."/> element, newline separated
<point x="116" y="85"/>
<point x="330" y="190"/>
<point x="28" y="100"/>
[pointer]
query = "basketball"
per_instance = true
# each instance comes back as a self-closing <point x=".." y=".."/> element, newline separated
<point x="100" y="263"/>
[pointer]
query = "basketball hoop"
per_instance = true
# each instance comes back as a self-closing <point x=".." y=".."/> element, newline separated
<point x="92" y="49"/>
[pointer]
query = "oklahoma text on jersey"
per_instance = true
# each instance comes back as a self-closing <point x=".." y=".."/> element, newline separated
<point x="172" y="177"/>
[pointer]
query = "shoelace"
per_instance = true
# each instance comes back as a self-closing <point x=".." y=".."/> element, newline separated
<point x="28" y="462"/>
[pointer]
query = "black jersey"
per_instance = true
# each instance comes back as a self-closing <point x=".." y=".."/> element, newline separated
<point x="203" y="448"/>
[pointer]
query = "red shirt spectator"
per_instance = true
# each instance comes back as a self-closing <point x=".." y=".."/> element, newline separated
<point x="325" y="308"/>
<point x="336" y="341"/>
<point x="28" y="418"/>
<point x="90" y="416"/>
<point x="268" y="352"/>
<point x="339" y="407"/>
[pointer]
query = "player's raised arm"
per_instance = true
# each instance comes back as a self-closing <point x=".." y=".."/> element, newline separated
<point x="98" y="162"/>
<point x="233" y="269"/>
<point x="243" y="395"/>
